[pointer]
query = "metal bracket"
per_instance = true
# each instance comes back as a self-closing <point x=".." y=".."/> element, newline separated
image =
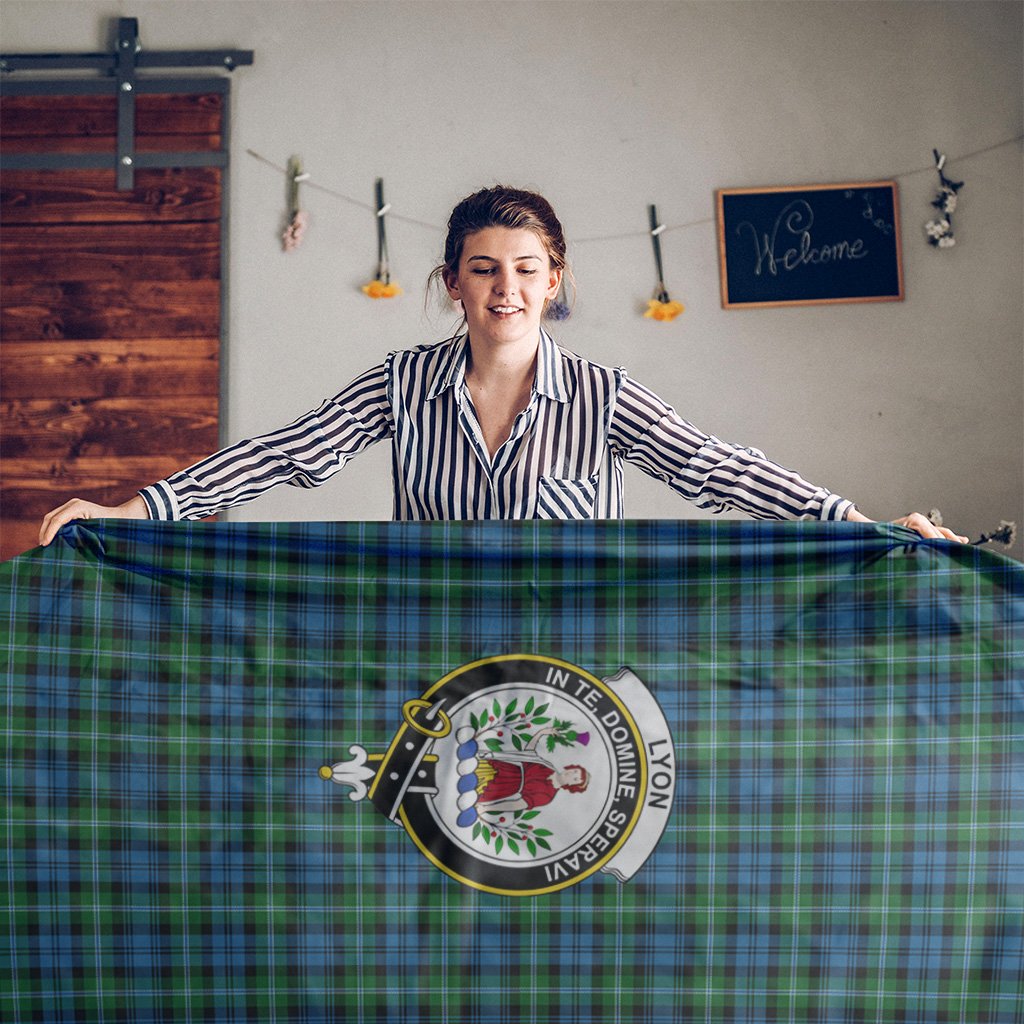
<point x="123" y="65"/>
<point x="128" y="46"/>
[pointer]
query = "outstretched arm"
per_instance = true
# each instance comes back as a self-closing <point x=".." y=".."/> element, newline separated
<point x="304" y="453"/>
<point x="717" y="475"/>
<point x="711" y="473"/>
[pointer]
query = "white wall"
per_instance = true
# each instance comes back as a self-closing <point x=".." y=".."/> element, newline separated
<point x="606" y="107"/>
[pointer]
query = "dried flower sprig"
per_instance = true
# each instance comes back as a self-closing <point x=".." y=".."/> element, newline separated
<point x="381" y="287"/>
<point x="1005" y="534"/>
<point x="657" y="309"/>
<point x="558" y="308"/>
<point x="940" y="231"/>
<point x="660" y="307"/>
<point x="292" y="237"/>
<point x="298" y="218"/>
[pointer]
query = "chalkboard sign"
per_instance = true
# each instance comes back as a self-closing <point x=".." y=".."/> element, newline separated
<point x="810" y="245"/>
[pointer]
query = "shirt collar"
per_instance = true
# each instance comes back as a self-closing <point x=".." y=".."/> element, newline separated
<point x="451" y="370"/>
<point x="550" y="379"/>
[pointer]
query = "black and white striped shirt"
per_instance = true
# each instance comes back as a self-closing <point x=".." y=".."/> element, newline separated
<point x="562" y="459"/>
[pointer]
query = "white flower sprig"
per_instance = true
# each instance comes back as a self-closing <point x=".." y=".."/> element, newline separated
<point x="940" y="231"/>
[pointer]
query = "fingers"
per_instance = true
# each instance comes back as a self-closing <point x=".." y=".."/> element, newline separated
<point x="926" y="528"/>
<point x="76" y="508"/>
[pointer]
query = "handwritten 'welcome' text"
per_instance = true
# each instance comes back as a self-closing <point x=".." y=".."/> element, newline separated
<point x="796" y="221"/>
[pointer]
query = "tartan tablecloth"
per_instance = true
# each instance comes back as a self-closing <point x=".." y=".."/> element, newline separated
<point x="803" y="747"/>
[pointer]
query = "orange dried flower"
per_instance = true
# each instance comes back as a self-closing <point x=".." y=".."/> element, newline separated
<point x="665" y="311"/>
<point x="380" y="290"/>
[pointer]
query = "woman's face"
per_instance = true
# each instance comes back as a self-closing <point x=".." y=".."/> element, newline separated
<point x="504" y="280"/>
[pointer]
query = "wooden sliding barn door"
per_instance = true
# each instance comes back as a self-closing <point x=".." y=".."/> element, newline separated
<point x="110" y="308"/>
<point x="112" y="214"/>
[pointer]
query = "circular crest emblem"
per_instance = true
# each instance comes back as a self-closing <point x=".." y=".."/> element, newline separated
<point x="522" y="774"/>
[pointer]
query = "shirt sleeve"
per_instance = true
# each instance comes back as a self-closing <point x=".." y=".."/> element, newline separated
<point x="713" y="474"/>
<point x="304" y="453"/>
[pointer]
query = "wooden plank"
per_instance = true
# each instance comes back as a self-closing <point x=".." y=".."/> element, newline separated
<point x="83" y="477"/>
<point x="17" y="536"/>
<point x="110" y="369"/>
<point x="58" y="115"/>
<point x="163" y="195"/>
<point x="63" y="428"/>
<point x="119" y="309"/>
<point x="108" y="481"/>
<point x="108" y="144"/>
<point x="32" y="487"/>
<point x="100" y="252"/>
<point x="109" y="297"/>
<point x="83" y="116"/>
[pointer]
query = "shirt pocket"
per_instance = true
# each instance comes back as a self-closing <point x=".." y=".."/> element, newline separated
<point x="565" y="498"/>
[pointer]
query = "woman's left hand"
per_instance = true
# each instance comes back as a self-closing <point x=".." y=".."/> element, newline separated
<point x="918" y="523"/>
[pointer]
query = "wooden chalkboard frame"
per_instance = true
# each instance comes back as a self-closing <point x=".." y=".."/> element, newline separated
<point x="884" y="283"/>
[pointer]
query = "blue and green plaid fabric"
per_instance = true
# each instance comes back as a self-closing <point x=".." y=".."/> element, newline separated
<point x="846" y="838"/>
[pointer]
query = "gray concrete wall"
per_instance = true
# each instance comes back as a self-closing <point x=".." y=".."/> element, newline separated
<point x="606" y="107"/>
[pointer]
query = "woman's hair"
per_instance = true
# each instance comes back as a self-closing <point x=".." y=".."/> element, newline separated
<point x="500" y="207"/>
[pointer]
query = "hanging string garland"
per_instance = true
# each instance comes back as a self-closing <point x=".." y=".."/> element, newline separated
<point x="660" y="307"/>
<point x="940" y="232"/>
<point x="382" y="287"/>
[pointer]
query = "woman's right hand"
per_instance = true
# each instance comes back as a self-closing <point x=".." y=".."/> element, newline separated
<point x="76" y="508"/>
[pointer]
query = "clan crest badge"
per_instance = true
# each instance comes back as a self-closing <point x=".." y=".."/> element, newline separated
<point x="522" y="775"/>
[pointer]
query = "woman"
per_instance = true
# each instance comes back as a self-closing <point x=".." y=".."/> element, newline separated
<point x="498" y="422"/>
